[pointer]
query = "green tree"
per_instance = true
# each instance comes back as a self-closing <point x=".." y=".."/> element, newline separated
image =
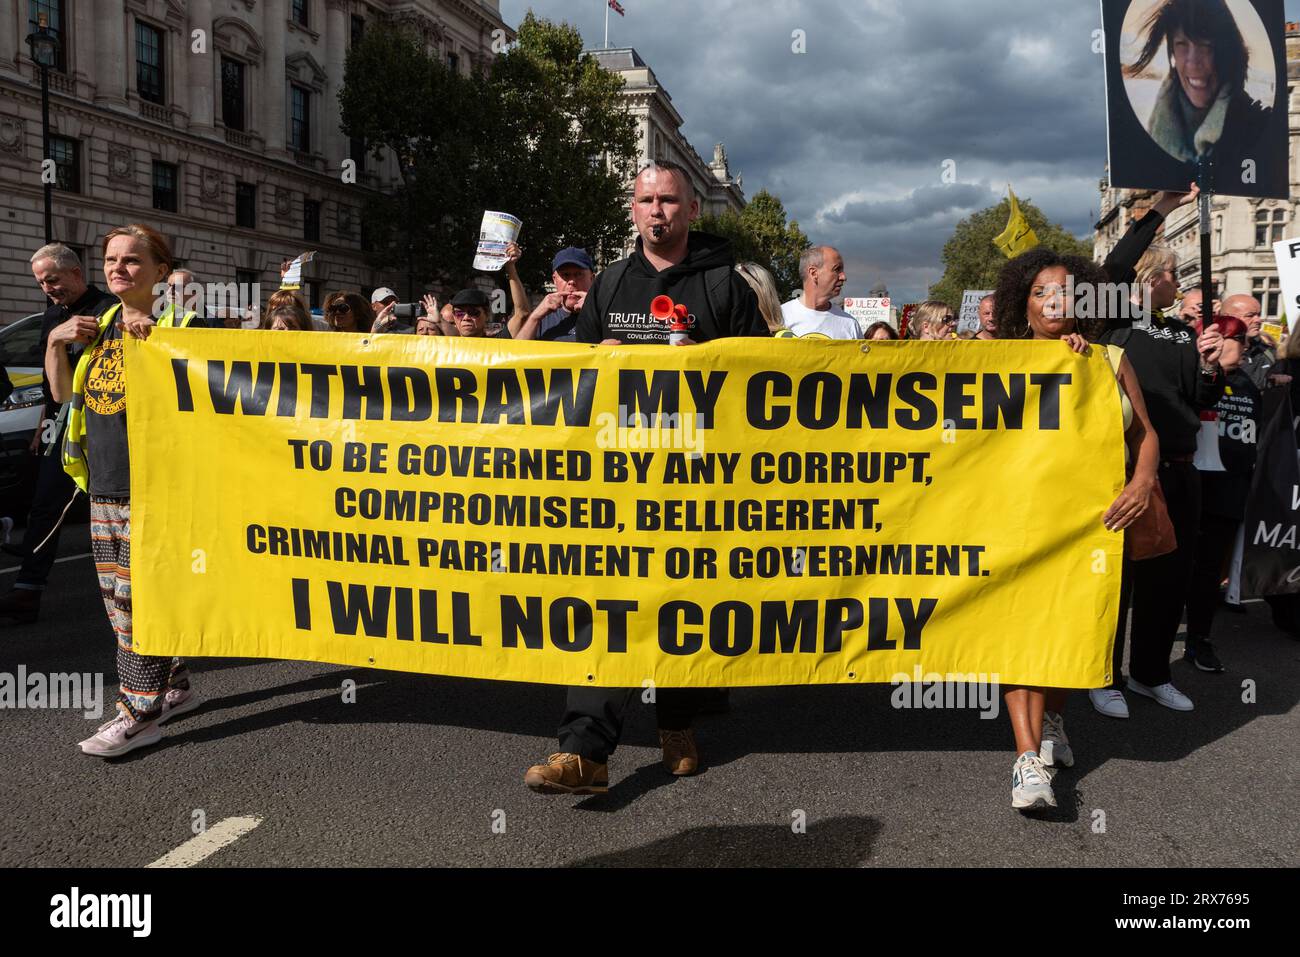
<point x="398" y="98"/>
<point x="971" y="261"/>
<point x="759" y="233"/>
<point x="544" y="135"/>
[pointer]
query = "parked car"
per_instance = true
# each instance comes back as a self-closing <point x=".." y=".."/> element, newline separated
<point x="20" y="411"/>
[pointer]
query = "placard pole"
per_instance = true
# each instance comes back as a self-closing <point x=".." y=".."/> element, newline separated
<point x="1205" y="180"/>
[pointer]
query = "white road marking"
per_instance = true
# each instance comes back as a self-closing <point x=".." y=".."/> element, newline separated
<point x="202" y="846"/>
<point x="69" y="558"/>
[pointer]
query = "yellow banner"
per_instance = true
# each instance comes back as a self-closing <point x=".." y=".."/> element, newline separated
<point x="745" y="512"/>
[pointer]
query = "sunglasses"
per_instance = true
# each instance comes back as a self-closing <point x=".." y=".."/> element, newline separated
<point x="339" y="309"/>
<point x="472" y="312"/>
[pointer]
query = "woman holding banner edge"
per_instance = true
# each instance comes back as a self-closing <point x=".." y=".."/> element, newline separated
<point x="1030" y="303"/>
<point x="137" y="261"/>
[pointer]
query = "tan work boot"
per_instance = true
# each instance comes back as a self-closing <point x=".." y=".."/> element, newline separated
<point x="568" y="774"/>
<point x="681" y="756"/>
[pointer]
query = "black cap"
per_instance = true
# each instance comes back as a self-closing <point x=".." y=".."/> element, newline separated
<point x="470" y="297"/>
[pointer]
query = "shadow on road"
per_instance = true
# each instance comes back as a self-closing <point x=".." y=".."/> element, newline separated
<point x="837" y="842"/>
<point x="851" y="719"/>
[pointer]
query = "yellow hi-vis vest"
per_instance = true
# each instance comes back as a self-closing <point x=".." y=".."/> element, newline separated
<point x="74" y="440"/>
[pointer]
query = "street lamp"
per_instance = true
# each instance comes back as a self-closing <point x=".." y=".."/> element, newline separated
<point x="44" y="46"/>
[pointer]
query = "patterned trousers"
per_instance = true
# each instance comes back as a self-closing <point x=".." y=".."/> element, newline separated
<point x="144" y="680"/>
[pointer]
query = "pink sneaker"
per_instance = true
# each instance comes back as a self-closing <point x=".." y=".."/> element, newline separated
<point x="120" y="735"/>
<point x="177" y="702"/>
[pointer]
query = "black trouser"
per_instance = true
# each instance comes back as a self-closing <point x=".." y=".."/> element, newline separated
<point x="54" y="489"/>
<point x="1160" y="585"/>
<point x="1213" y="549"/>
<point x="593" y="717"/>
<point x="1121" y="626"/>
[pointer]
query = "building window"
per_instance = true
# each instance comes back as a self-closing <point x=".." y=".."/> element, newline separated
<point x="66" y="154"/>
<point x="453" y="63"/>
<point x="1218" y="234"/>
<point x="164" y="186"/>
<point x="246" y="205"/>
<point x="1265" y="289"/>
<point x="311" y="220"/>
<point x="247" y="279"/>
<point x="357" y="149"/>
<point x="1268" y="226"/>
<point x="300" y="119"/>
<point x="54" y="21"/>
<point x="298" y="8"/>
<point x="358" y="30"/>
<point x="149" y="63"/>
<point x="232" y="94"/>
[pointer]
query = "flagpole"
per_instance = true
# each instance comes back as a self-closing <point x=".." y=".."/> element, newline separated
<point x="606" y="24"/>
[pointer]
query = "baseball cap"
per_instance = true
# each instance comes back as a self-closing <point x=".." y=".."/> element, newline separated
<point x="572" y="256"/>
<point x="380" y="294"/>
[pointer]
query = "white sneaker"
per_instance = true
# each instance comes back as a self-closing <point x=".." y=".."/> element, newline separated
<point x="1165" y="694"/>
<point x="1031" y="784"/>
<point x="120" y="735"/>
<point x="177" y="702"/>
<point x="1109" y="701"/>
<point x="1055" y="748"/>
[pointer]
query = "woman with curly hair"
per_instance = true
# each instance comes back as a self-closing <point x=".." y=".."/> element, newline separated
<point x="1031" y="302"/>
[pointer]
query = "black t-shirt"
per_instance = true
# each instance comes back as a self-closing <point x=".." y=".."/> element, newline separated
<point x="93" y="302"/>
<point x="560" y="325"/>
<point x="1225" y="493"/>
<point x="107" y="453"/>
<point x="719" y="302"/>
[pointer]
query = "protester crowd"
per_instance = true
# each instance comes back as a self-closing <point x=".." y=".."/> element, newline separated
<point x="1173" y="366"/>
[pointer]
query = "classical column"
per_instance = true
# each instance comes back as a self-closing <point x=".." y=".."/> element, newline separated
<point x="200" y="102"/>
<point x="110" y="56"/>
<point x="337" y="25"/>
<point x="274" y="90"/>
<point x="129" y="67"/>
<point x="84" y="38"/>
<point x="10" y="34"/>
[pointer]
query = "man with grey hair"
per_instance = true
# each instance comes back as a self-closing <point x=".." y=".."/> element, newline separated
<point x="822" y="270"/>
<point x="58" y="272"/>
<point x="988" y="319"/>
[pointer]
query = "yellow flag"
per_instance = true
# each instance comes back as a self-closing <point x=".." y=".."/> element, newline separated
<point x="1019" y="236"/>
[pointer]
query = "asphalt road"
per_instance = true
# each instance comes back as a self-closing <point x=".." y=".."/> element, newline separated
<point x="428" y="771"/>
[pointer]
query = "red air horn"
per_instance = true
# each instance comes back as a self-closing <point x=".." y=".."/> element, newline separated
<point x="665" y="310"/>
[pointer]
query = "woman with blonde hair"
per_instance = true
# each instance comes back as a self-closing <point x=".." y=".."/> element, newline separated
<point x="764" y="286"/>
<point x="137" y="261"/>
<point x="934" y="320"/>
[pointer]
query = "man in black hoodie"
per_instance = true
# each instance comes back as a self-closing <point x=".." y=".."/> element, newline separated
<point x="696" y="270"/>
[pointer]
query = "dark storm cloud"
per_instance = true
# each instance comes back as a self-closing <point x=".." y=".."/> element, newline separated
<point x="854" y="134"/>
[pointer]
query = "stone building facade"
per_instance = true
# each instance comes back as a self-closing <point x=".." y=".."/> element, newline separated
<point x="216" y="121"/>
<point x="659" y="126"/>
<point x="1243" y="230"/>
